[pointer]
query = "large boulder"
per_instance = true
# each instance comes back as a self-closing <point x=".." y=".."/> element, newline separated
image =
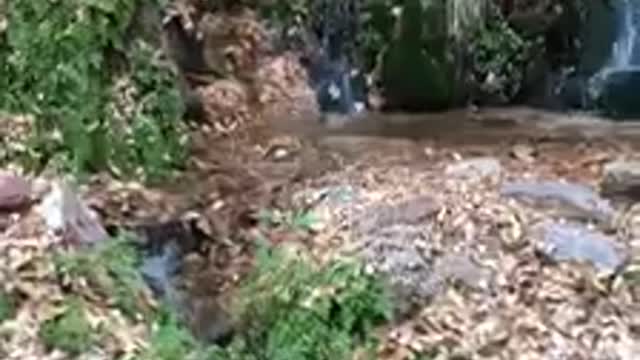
<point x="618" y="96"/>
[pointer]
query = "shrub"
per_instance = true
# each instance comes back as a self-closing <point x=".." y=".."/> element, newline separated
<point x="65" y="62"/>
<point x="71" y="331"/>
<point x="110" y="270"/>
<point x="288" y="309"/>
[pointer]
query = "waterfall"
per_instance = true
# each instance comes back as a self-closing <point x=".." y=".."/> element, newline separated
<point x="624" y="59"/>
<point x="613" y="89"/>
<point x="626" y="52"/>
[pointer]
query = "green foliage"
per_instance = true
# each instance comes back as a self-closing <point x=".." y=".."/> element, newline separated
<point x="286" y="309"/>
<point x="7" y="306"/>
<point x="60" y="64"/>
<point x="170" y="341"/>
<point x="500" y="51"/>
<point x="377" y="30"/>
<point x="294" y="219"/>
<point x="71" y="331"/>
<point x="110" y="268"/>
<point x="375" y="24"/>
<point x="290" y="310"/>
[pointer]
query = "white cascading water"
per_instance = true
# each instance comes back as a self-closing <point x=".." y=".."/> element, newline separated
<point x="624" y="54"/>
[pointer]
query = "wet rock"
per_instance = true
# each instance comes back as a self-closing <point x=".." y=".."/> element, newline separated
<point x="621" y="179"/>
<point x="573" y="242"/>
<point x="69" y="218"/>
<point x="159" y="270"/>
<point x="476" y="167"/>
<point x="183" y="234"/>
<point x="573" y="199"/>
<point x="618" y="94"/>
<point x="15" y="192"/>
<point x="209" y="321"/>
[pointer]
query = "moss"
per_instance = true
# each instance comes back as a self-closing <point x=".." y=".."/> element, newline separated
<point x="415" y="73"/>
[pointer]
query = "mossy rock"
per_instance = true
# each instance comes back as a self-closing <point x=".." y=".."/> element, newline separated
<point x="413" y="78"/>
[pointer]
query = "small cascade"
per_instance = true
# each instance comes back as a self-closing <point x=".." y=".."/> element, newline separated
<point x="339" y="86"/>
<point x="614" y="88"/>
<point x="626" y="52"/>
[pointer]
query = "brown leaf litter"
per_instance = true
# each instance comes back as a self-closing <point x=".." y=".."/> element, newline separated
<point x="466" y="261"/>
<point x="28" y="274"/>
<point x="254" y="84"/>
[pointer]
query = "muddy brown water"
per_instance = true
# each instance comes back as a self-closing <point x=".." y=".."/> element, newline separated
<point x="485" y="125"/>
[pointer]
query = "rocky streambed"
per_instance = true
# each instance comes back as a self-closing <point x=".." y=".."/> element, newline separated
<point x="524" y="248"/>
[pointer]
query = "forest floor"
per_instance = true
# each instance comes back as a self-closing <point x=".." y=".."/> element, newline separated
<point x="476" y="236"/>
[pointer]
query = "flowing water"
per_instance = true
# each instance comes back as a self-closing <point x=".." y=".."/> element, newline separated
<point x="613" y="87"/>
<point x="626" y="50"/>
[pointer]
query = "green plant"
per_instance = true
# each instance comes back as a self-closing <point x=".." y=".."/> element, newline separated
<point x="500" y="51"/>
<point x="71" y="331"/>
<point x="7" y="306"/>
<point x="291" y="310"/>
<point x="60" y="63"/>
<point x="110" y="269"/>
<point x="170" y="340"/>
<point x="293" y="219"/>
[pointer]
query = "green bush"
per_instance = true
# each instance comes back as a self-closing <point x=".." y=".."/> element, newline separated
<point x="71" y="331"/>
<point x="110" y="269"/>
<point x="500" y="51"/>
<point x="61" y="63"/>
<point x="288" y="309"/>
<point x="171" y="341"/>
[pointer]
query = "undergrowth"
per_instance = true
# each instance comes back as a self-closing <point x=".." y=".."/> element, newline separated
<point x="71" y="331"/>
<point x="110" y="270"/>
<point x="101" y="101"/>
<point x="293" y="220"/>
<point x="287" y="308"/>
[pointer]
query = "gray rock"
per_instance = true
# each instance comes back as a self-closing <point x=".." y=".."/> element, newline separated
<point x="475" y="167"/>
<point x="579" y="199"/>
<point x="573" y="242"/>
<point x="67" y="216"/>
<point x="621" y="179"/>
<point x="392" y="251"/>
<point x="408" y="212"/>
<point x="402" y="253"/>
<point x="15" y="192"/>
